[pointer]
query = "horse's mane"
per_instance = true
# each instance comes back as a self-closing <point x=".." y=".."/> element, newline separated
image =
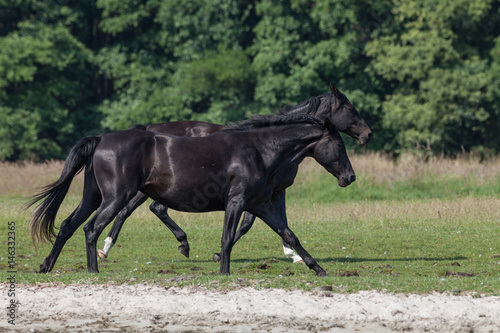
<point x="261" y="121"/>
<point x="311" y="104"/>
<point x="300" y="113"/>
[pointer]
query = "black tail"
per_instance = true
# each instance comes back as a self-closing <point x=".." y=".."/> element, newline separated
<point x="41" y="222"/>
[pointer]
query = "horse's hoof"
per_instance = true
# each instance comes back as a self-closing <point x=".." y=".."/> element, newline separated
<point x="184" y="250"/>
<point x="102" y="255"/>
<point x="216" y="257"/>
<point x="299" y="261"/>
<point x="321" y="273"/>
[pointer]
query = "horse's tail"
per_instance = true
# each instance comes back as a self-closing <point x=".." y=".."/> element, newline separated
<point x="41" y="221"/>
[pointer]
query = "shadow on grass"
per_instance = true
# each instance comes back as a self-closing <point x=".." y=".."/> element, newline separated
<point x="347" y="260"/>
<point x="330" y="260"/>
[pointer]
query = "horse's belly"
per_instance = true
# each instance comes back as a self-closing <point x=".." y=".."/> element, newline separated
<point x="195" y="204"/>
<point x="190" y="188"/>
<point x="189" y="200"/>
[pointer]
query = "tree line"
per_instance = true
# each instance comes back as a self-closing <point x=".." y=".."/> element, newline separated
<point x="424" y="74"/>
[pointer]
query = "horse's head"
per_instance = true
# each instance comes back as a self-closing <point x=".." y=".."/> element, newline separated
<point x="346" y="118"/>
<point x="330" y="152"/>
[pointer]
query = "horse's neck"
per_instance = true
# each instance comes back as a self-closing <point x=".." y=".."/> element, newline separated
<point x="291" y="146"/>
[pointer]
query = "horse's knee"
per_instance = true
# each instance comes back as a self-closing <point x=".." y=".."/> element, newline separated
<point x="226" y="245"/>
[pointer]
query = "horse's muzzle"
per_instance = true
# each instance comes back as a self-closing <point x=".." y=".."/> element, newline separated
<point x="346" y="180"/>
<point x="364" y="138"/>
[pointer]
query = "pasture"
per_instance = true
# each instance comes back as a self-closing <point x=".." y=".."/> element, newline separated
<point x="403" y="226"/>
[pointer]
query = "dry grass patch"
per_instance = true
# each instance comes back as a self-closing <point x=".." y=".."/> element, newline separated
<point x="383" y="169"/>
<point x="27" y="178"/>
<point x="372" y="169"/>
<point x="473" y="209"/>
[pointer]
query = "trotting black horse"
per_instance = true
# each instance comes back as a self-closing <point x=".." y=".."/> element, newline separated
<point x="231" y="170"/>
<point x="333" y="105"/>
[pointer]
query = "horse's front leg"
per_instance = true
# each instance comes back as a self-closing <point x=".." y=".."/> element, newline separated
<point x="162" y="212"/>
<point x="271" y="216"/>
<point x="245" y="225"/>
<point x="278" y="200"/>
<point x="231" y="219"/>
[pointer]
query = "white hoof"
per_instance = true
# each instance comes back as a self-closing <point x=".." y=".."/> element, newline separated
<point x="298" y="260"/>
<point x="102" y="255"/>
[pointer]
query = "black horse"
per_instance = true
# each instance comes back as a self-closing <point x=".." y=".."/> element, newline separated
<point x="333" y="105"/>
<point x="231" y="170"/>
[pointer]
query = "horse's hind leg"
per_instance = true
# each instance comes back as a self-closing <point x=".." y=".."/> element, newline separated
<point x="103" y="216"/>
<point x="88" y="205"/>
<point x="278" y="201"/>
<point x="162" y="213"/>
<point x="110" y="241"/>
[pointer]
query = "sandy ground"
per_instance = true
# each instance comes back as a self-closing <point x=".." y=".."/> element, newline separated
<point x="147" y="308"/>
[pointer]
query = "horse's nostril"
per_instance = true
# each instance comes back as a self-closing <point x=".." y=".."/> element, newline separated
<point x="353" y="178"/>
<point x="364" y="138"/>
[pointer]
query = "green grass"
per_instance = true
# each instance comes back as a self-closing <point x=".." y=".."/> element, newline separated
<point x="418" y="246"/>
<point x="322" y="188"/>
<point x="403" y="226"/>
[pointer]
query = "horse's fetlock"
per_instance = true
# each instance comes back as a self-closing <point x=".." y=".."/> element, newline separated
<point x="182" y="237"/>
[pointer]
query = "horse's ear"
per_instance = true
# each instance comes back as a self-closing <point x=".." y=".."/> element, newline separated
<point x="328" y="124"/>
<point x="333" y="89"/>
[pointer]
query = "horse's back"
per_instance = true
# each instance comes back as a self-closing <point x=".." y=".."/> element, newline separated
<point x="193" y="154"/>
<point x="186" y="128"/>
<point x="145" y="148"/>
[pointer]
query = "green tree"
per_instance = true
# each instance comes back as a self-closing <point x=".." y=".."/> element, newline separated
<point x="423" y="74"/>
<point x="171" y="60"/>
<point x="44" y="80"/>
<point x="434" y="62"/>
<point x="303" y="45"/>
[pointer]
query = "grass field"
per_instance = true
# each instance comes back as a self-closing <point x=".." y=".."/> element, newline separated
<point x="403" y="226"/>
